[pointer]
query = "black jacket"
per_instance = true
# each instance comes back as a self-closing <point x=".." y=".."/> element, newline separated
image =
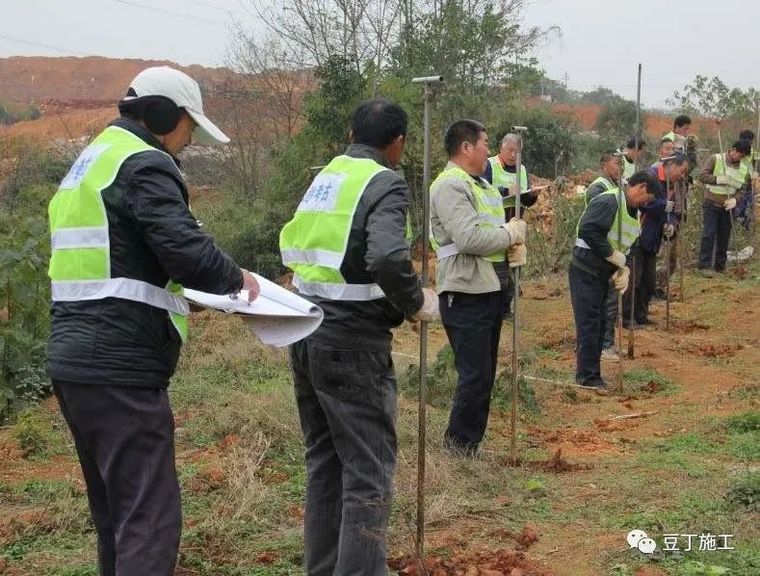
<point x="377" y="252"/>
<point x="595" y="224"/>
<point x="154" y="238"/>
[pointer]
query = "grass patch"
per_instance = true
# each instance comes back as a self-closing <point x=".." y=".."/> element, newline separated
<point x="744" y="493"/>
<point x="651" y="381"/>
<point x="35" y="434"/>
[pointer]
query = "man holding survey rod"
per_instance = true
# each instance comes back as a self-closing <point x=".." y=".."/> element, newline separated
<point x="501" y="171"/>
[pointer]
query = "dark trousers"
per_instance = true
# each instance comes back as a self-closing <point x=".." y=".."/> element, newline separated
<point x="716" y="233"/>
<point x="473" y="326"/>
<point x="610" y="317"/>
<point x="124" y="437"/>
<point x="588" y="295"/>
<point x="347" y="406"/>
<point x="641" y="288"/>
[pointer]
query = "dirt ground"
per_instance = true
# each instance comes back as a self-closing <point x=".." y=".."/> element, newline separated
<point x="578" y="442"/>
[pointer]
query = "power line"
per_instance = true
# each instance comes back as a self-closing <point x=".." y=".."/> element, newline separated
<point x="173" y="13"/>
<point x="64" y="51"/>
<point x="207" y="5"/>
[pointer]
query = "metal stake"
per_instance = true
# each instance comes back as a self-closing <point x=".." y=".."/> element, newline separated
<point x="632" y="319"/>
<point x="428" y="81"/>
<point x="519" y="130"/>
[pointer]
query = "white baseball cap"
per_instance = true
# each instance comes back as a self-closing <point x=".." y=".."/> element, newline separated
<point x="185" y="93"/>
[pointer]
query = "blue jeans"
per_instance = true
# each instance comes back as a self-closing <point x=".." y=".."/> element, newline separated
<point x="588" y="295"/>
<point x="716" y="233"/>
<point x="473" y="326"/>
<point x="346" y="400"/>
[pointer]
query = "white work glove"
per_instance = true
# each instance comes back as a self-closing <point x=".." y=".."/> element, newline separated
<point x="730" y="204"/>
<point x="517" y="255"/>
<point x="668" y="230"/>
<point x="669" y="205"/>
<point x="250" y="284"/>
<point x="723" y="180"/>
<point x="517" y="229"/>
<point x="429" y="311"/>
<point x="620" y="279"/>
<point x="617" y="258"/>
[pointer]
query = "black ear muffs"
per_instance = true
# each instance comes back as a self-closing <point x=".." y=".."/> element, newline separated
<point x="160" y="114"/>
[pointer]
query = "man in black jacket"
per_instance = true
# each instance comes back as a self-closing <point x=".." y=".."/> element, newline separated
<point x="597" y="257"/>
<point x="123" y="240"/>
<point x="347" y="249"/>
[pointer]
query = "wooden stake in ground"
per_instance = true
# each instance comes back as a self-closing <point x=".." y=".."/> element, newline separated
<point x="519" y="130"/>
<point x="428" y="81"/>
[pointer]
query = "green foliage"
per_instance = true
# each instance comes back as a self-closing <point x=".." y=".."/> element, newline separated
<point x="746" y="422"/>
<point x="24" y="301"/>
<point x="328" y="110"/>
<point x="616" y="123"/>
<point x="548" y="147"/>
<point x="11" y="113"/>
<point x="713" y="97"/>
<point x="442" y="378"/>
<point x="33" y="432"/>
<point x="695" y="568"/>
<point x="745" y="492"/>
<point x="526" y="395"/>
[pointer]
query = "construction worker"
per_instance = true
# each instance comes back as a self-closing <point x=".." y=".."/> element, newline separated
<point x="634" y="149"/>
<point x="667" y="148"/>
<point x="501" y="171"/>
<point x="724" y="175"/>
<point x="610" y="174"/>
<point x="609" y="177"/>
<point x="470" y="238"/>
<point x="669" y="173"/>
<point x="597" y="256"/>
<point x="681" y="127"/>
<point x="347" y="248"/>
<point x="743" y="212"/>
<point x="123" y="243"/>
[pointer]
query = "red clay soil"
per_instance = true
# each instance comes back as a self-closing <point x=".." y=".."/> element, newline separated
<point x="485" y="563"/>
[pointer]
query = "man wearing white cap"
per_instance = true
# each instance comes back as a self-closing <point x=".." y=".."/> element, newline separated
<point x="123" y="244"/>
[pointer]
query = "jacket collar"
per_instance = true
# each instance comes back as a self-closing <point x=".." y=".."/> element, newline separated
<point x="143" y="134"/>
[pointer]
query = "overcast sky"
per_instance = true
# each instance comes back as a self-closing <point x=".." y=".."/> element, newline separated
<point x="601" y="41"/>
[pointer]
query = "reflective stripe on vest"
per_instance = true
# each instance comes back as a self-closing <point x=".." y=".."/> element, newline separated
<point x="722" y="168"/>
<point x="125" y="288"/>
<point x="80" y="260"/>
<point x="488" y="204"/>
<point x="313" y="244"/>
<point x="607" y="187"/>
<point x="631" y="227"/>
<point x="501" y="177"/>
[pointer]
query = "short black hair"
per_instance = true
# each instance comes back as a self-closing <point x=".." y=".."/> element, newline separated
<point x="651" y="182"/>
<point x="607" y="155"/>
<point x="678" y="158"/>
<point x="682" y="120"/>
<point x="378" y="122"/>
<point x="632" y="143"/>
<point x="747" y="135"/>
<point x="462" y="131"/>
<point x="743" y="146"/>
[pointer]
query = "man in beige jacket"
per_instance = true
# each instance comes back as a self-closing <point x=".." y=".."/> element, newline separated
<point x="470" y="238"/>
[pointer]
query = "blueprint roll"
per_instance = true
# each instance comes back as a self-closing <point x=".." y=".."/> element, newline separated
<point x="277" y="317"/>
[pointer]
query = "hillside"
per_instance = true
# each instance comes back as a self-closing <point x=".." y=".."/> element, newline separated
<point x="77" y="96"/>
